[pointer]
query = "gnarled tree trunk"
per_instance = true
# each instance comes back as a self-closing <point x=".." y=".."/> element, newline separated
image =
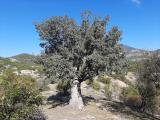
<point x="76" y="100"/>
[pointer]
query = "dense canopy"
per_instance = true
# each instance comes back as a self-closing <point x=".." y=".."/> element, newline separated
<point x="80" y="51"/>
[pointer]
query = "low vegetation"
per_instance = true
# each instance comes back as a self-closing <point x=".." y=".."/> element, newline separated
<point x="133" y="66"/>
<point x="19" y="98"/>
<point x="122" y="78"/>
<point x="24" y="64"/>
<point x="103" y="79"/>
<point x="95" y="85"/>
<point x="107" y="91"/>
<point x="132" y="98"/>
<point x="149" y="83"/>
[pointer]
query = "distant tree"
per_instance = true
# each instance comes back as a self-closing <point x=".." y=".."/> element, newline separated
<point x="149" y="82"/>
<point x="79" y="52"/>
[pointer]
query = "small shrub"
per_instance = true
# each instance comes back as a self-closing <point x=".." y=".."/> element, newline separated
<point x="104" y="79"/>
<point x="36" y="115"/>
<point x="119" y="76"/>
<point x="1" y="87"/>
<point x="107" y="90"/>
<point x="122" y="78"/>
<point x="133" y="66"/>
<point x="134" y="101"/>
<point x="132" y="98"/>
<point x="129" y="91"/>
<point x="96" y="85"/>
<point x="42" y="84"/>
<point x="149" y="82"/>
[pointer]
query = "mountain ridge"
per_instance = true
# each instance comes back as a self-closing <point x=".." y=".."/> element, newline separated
<point x="130" y="52"/>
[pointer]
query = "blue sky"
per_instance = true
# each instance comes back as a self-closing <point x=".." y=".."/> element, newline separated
<point x="139" y="21"/>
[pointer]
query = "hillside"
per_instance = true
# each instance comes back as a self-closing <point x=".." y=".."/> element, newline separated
<point x="137" y="54"/>
<point x="25" y="61"/>
<point x="24" y="57"/>
<point x="19" y="62"/>
<point x="130" y="50"/>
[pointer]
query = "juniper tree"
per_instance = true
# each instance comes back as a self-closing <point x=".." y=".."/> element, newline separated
<point x="78" y="52"/>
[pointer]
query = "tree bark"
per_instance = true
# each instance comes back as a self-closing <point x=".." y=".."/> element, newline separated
<point x="76" y="100"/>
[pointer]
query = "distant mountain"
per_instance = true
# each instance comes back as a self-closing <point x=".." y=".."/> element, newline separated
<point x="24" y="57"/>
<point x="130" y="52"/>
<point x="158" y="51"/>
<point x="137" y="54"/>
<point x="127" y="48"/>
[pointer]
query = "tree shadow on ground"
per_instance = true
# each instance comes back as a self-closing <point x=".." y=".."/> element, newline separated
<point x="87" y="99"/>
<point x="119" y="107"/>
<point x="60" y="99"/>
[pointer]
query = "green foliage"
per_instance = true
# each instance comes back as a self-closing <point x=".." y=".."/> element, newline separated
<point x="132" y="98"/>
<point x="73" y="51"/>
<point x="107" y="90"/>
<point x="149" y="82"/>
<point x="119" y="77"/>
<point x="130" y="91"/>
<point x="1" y="80"/>
<point x="106" y="81"/>
<point x="19" y="97"/>
<point x="103" y="79"/>
<point x="122" y="78"/>
<point x="133" y="66"/>
<point x="96" y="85"/>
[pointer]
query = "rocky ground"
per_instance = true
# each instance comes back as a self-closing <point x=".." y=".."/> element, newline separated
<point x="90" y="112"/>
<point x="97" y="107"/>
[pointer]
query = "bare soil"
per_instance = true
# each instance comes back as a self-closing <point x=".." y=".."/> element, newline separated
<point x="97" y="107"/>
